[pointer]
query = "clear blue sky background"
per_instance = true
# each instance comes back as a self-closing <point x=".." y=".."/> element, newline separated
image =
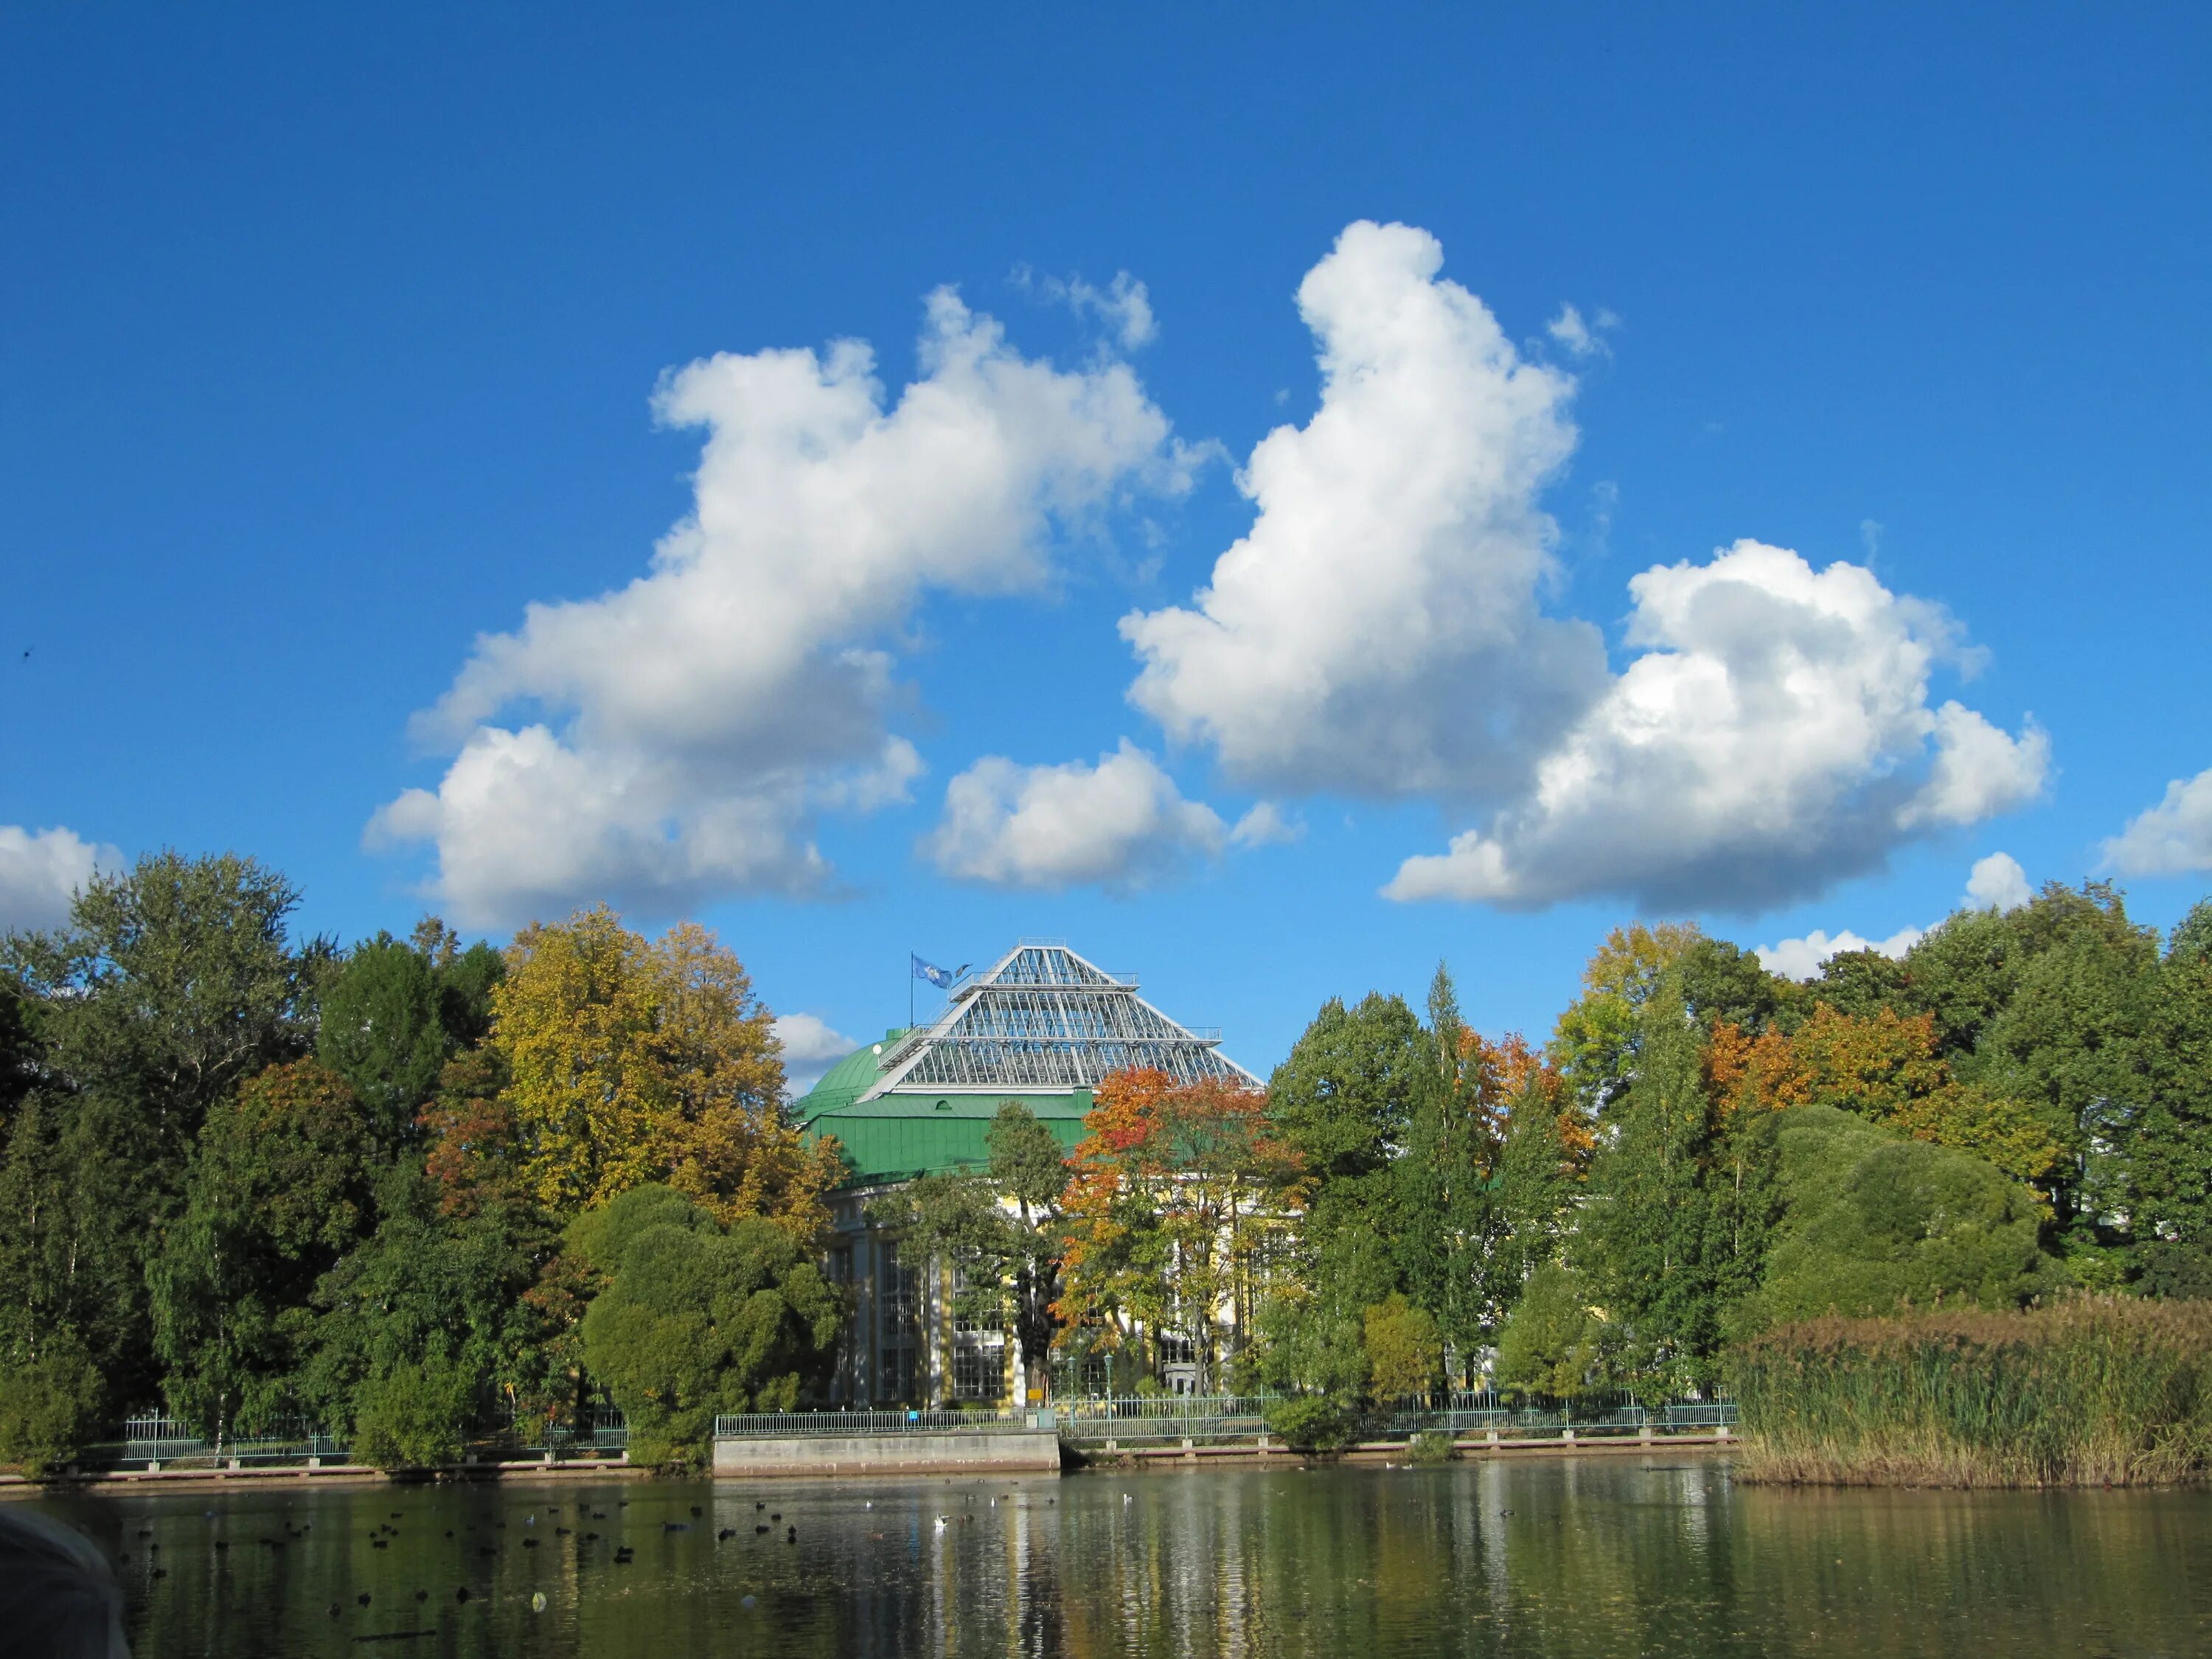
<point x="327" y="338"/>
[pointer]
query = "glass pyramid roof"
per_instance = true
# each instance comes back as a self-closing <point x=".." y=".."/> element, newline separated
<point x="1042" y="1017"/>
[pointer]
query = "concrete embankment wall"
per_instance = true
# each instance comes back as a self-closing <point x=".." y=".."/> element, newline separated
<point x="1012" y="1451"/>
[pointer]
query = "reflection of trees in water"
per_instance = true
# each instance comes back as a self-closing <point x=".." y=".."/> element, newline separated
<point x="1597" y="1558"/>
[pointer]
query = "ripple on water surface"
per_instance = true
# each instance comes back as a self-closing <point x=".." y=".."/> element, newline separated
<point x="1598" y="1556"/>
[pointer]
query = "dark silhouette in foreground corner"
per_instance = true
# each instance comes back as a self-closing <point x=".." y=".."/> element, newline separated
<point x="58" y="1594"/>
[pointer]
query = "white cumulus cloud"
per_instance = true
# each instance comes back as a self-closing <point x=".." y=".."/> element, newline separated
<point x="810" y="1046"/>
<point x="1801" y="958"/>
<point x="1381" y="630"/>
<point x="41" y="871"/>
<point x="1121" y="823"/>
<point x="1376" y="631"/>
<point x="685" y="729"/>
<point x="1997" y="883"/>
<point x="1774" y="734"/>
<point x="2172" y="838"/>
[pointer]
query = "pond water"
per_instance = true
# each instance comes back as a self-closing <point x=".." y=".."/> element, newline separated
<point x="1605" y="1556"/>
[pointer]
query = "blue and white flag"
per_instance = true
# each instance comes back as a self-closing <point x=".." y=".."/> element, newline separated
<point x="935" y="975"/>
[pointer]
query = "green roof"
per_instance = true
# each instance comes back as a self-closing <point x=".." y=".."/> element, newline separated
<point x="904" y="1133"/>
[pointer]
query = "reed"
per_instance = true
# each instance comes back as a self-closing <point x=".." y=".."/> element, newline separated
<point x="2091" y="1391"/>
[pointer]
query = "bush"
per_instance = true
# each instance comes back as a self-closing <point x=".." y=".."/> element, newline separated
<point x="2094" y="1391"/>
<point x="50" y="1409"/>
<point x="1432" y="1446"/>
<point x="410" y="1417"/>
<point x="697" y="1321"/>
<point x="1874" y="1222"/>
<point x="1310" y="1423"/>
<point x="1404" y="1350"/>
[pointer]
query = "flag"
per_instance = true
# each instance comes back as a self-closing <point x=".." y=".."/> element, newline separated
<point x="935" y="976"/>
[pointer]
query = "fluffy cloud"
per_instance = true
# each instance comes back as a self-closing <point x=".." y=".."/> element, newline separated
<point x="1121" y="824"/>
<point x="1801" y="958"/>
<point x="1997" y="883"/>
<point x="1376" y="631"/>
<point x="1774" y="734"/>
<point x="41" y="870"/>
<point x="809" y="1049"/>
<point x="691" y="724"/>
<point x="1381" y="631"/>
<point x="2172" y="838"/>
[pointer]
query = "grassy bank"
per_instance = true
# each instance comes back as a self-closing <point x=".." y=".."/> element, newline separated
<point x="2095" y="1391"/>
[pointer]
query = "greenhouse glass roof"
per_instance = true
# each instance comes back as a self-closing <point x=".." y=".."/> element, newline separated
<point x="1041" y="1026"/>
<point x="1042" y="1017"/>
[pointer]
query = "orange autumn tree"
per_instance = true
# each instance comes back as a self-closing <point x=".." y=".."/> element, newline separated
<point x="1884" y="1067"/>
<point x="1182" y="1200"/>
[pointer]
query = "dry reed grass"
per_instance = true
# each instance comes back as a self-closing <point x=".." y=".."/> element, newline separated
<point x="2091" y="1391"/>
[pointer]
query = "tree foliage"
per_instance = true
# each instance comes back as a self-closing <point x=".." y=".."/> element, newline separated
<point x="630" y="1061"/>
<point x="1183" y="1198"/>
<point x="276" y="1192"/>
<point x="697" y="1320"/>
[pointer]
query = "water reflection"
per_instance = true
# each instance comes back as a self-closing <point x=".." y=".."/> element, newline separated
<point x="1598" y="1556"/>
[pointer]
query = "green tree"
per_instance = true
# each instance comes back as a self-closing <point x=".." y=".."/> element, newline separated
<point x="2070" y="1040"/>
<point x="277" y="1191"/>
<point x="2191" y="941"/>
<point x="383" y="1031"/>
<point x="170" y="986"/>
<point x="697" y="1320"/>
<point x="432" y="1293"/>
<point x="1593" y="1046"/>
<point x="1344" y="1099"/>
<point x="51" y="1407"/>
<point x="1646" y="1242"/>
<point x="1873" y="1221"/>
<point x="2168" y="1140"/>
<point x="1553" y="1344"/>
<point x="414" y="1416"/>
<point x="1535" y="1189"/>
<point x="1446" y="1222"/>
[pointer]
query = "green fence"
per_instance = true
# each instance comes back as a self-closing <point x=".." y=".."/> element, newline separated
<point x="1136" y="1420"/>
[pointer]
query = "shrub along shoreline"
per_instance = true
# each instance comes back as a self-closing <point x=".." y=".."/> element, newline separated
<point x="2093" y="1391"/>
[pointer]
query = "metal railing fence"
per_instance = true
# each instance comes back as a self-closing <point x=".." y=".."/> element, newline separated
<point x="754" y="1426"/>
<point x="1201" y="1419"/>
<point x="156" y="1440"/>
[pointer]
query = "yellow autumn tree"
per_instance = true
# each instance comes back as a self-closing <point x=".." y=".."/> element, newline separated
<point x="632" y="1061"/>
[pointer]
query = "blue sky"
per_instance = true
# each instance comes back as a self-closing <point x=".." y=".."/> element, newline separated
<point x="329" y="343"/>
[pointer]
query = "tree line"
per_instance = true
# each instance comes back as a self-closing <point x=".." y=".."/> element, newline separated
<point x="2018" y="1108"/>
<point x="408" y="1192"/>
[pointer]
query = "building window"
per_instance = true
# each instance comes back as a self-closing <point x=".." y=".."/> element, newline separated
<point x="979" y="1371"/>
<point x="897" y="1374"/>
